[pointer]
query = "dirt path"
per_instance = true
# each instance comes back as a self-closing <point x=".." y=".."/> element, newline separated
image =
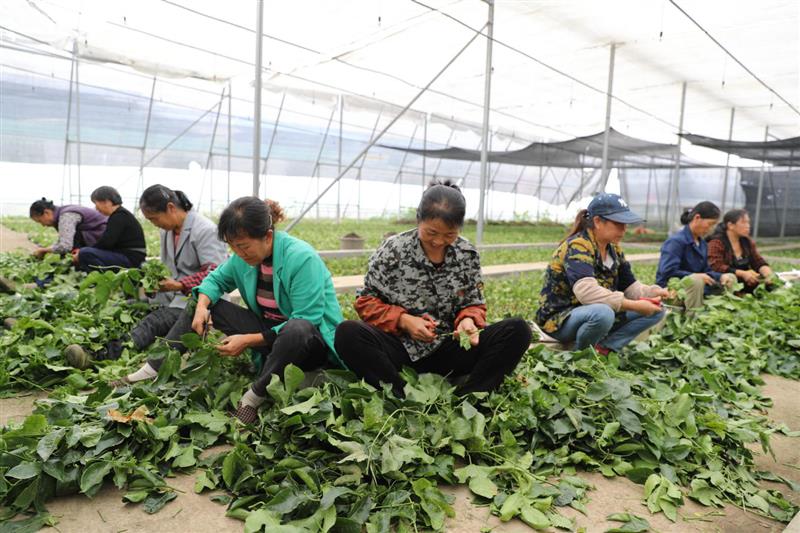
<point x="13" y="240"/>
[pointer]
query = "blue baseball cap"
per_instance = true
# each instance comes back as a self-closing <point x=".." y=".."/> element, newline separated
<point x="613" y="207"/>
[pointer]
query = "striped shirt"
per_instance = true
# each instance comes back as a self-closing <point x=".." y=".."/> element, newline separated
<point x="265" y="295"/>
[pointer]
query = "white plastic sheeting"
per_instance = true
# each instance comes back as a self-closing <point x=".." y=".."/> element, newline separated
<point x="550" y="66"/>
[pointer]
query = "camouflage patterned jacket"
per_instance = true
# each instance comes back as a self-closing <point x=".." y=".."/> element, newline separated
<point x="401" y="279"/>
<point x="576" y="258"/>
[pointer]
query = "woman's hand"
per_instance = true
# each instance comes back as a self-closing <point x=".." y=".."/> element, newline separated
<point x="708" y="280"/>
<point x="660" y="292"/>
<point x="169" y="285"/>
<point x="234" y="345"/>
<point x="40" y="252"/>
<point x="75" y="256"/>
<point x="200" y="320"/>
<point x="728" y="280"/>
<point x="468" y="326"/>
<point x="420" y="328"/>
<point x="747" y="276"/>
<point x="643" y="307"/>
<point x="767" y="273"/>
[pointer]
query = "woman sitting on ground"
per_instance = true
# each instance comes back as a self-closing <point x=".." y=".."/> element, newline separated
<point x="121" y="245"/>
<point x="423" y="287"/>
<point x="77" y="226"/>
<point x="685" y="253"/>
<point x="292" y="311"/>
<point x="731" y="250"/>
<point x="590" y="295"/>
<point x="190" y="249"/>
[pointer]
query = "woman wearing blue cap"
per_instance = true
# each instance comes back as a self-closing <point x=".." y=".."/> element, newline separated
<point x="590" y="294"/>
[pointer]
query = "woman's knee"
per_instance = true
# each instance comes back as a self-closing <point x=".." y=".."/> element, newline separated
<point x="518" y="329"/>
<point x="346" y="332"/>
<point x="600" y="315"/>
<point x="299" y="326"/>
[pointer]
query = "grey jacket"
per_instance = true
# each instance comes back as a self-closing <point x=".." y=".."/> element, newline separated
<point x="197" y="245"/>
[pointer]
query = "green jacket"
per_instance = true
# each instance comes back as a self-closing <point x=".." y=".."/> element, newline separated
<point x="302" y="284"/>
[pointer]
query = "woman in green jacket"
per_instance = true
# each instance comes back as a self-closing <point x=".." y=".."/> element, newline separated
<point x="292" y="311"/>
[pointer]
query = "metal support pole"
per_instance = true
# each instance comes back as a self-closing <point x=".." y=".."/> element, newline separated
<point x="787" y="191"/>
<point x="77" y="114"/>
<point x="384" y="130"/>
<point x="144" y="144"/>
<point x="606" y="170"/>
<point x="339" y="165"/>
<point x="675" y="203"/>
<point x="487" y="87"/>
<point x="539" y="194"/>
<point x="230" y="97"/>
<point x="760" y="187"/>
<point x="272" y="138"/>
<point x="727" y="163"/>
<point x="647" y="195"/>
<point x="257" y="98"/>
<point x="66" y="135"/>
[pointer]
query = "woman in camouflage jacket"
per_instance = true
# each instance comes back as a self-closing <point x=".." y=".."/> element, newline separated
<point x="590" y="294"/>
<point x="422" y="289"/>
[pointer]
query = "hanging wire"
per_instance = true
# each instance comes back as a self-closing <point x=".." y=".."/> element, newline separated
<point x="724" y="49"/>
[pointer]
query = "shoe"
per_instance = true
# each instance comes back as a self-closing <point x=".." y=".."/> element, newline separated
<point x="112" y="351"/>
<point x="7" y="286"/>
<point x="77" y="357"/>
<point x="9" y="323"/>
<point x="601" y="350"/>
<point x="246" y="414"/>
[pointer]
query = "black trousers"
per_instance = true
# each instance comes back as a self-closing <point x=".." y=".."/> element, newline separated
<point x="299" y="342"/>
<point x="378" y="357"/>
<point x="167" y="322"/>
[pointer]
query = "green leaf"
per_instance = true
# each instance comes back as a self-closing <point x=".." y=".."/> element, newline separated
<point x="303" y="407"/>
<point x="285" y="501"/>
<point x="136" y="496"/>
<point x="633" y="523"/>
<point x="433" y="502"/>
<point x="185" y="459"/>
<point x="511" y="507"/>
<point x="534" y="517"/>
<point x="258" y="520"/>
<point x="155" y="502"/>
<point x="29" y="525"/>
<point x="93" y="475"/>
<point x="25" y="470"/>
<point x="397" y="451"/>
<point x="483" y="486"/>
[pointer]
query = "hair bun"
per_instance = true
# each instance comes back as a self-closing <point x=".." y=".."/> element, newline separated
<point x="445" y="183"/>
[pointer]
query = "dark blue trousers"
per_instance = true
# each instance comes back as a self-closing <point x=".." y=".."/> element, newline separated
<point x="96" y="259"/>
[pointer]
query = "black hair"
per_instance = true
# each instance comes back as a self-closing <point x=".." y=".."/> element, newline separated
<point x="104" y="193"/>
<point x="582" y="221"/>
<point x="731" y="217"/>
<point x="443" y="200"/>
<point x="156" y="198"/>
<point x="38" y="207"/>
<point x="704" y="209"/>
<point x="248" y="216"/>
